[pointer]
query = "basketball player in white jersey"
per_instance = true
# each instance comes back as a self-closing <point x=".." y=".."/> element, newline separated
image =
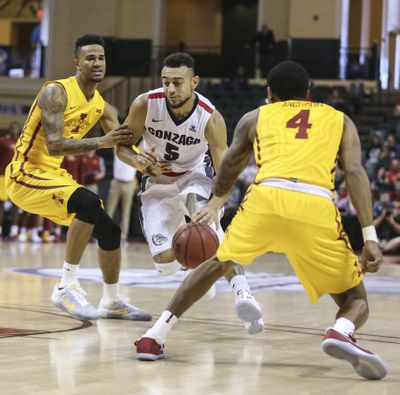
<point x="181" y="125"/>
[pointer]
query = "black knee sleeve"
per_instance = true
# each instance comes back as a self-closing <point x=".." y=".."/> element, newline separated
<point x="107" y="232"/>
<point x="85" y="204"/>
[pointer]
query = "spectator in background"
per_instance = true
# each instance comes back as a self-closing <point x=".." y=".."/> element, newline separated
<point x="7" y="144"/>
<point x="239" y="80"/>
<point x="237" y="83"/>
<point x="338" y="102"/>
<point x="343" y="202"/>
<point x="387" y="222"/>
<point x="392" y="146"/>
<point x="383" y="166"/>
<point x="381" y="211"/>
<point x="393" y="175"/>
<point x="266" y="45"/>
<point x="122" y="189"/>
<point x="372" y="155"/>
<point x="394" y="121"/>
<point x="339" y="176"/>
<point x="92" y="170"/>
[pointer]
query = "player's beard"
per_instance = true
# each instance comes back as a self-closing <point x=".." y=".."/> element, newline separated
<point x="180" y="104"/>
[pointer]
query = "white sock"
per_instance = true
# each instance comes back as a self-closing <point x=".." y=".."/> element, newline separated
<point x="69" y="274"/>
<point x="14" y="230"/>
<point x="344" y="326"/>
<point x="240" y="285"/>
<point x="22" y="231"/>
<point x="110" y="292"/>
<point x="159" y="331"/>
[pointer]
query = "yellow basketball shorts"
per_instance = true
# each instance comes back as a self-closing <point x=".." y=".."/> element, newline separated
<point x="3" y="189"/>
<point x="42" y="192"/>
<point x="307" y="228"/>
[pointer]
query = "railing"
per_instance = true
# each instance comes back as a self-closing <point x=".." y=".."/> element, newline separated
<point x="360" y="63"/>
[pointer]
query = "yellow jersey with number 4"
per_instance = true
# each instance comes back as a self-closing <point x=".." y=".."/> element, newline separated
<point x="80" y="115"/>
<point x="298" y="140"/>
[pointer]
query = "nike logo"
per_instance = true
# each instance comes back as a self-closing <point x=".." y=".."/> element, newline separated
<point x="156" y="120"/>
<point x="72" y="107"/>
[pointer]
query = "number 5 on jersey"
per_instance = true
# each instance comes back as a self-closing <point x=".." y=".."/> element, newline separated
<point x="171" y="152"/>
<point x="300" y="122"/>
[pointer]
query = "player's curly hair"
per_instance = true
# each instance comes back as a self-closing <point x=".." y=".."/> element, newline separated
<point x="179" y="59"/>
<point x="288" y="80"/>
<point x="88" y="39"/>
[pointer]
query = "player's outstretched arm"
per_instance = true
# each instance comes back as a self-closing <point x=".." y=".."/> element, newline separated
<point x="52" y="102"/>
<point x="234" y="161"/>
<point x="357" y="183"/>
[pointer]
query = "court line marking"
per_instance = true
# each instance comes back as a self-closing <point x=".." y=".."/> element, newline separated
<point x="33" y="332"/>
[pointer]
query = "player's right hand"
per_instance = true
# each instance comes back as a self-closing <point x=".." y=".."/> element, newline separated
<point x="371" y="257"/>
<point x="121" y="135"/>
<point x="210" y="212"/>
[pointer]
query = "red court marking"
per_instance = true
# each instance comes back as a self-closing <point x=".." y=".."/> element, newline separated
<point x="13" y="331"/>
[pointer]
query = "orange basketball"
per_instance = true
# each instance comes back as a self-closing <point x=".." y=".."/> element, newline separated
<point x="194" y="243"/>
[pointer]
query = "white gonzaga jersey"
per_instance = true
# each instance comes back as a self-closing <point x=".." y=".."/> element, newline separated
<point x="183" y="142"/>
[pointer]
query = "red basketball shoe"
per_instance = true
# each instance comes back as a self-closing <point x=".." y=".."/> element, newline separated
<point x="148" y="349"/>
<point x="367" y="364"/>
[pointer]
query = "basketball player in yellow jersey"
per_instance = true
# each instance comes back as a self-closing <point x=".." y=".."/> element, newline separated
<point x="290" y="210"/>
<point x="63" y="112"/>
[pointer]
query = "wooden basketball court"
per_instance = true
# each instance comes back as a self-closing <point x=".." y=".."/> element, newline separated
<point x="44" y="351"/>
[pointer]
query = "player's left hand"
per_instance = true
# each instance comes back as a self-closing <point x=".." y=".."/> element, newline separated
<point x="157" y="169"/>
<point x="210" y="212"/>
<point x="371" y="257"/>
<point x="145" y="159"/>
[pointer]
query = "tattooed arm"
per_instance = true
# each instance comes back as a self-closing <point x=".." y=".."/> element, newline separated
<point x="52" y="102"/>
<point x="233" y="163"/>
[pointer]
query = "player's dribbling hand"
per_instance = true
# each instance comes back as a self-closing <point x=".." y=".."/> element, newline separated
<point x="121" y="135"/>
<point x="371" y="257"/>
<point x="210" y="212"/>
